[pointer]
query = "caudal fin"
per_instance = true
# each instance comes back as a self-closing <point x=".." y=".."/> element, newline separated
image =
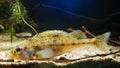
<point x="101" y="41"/>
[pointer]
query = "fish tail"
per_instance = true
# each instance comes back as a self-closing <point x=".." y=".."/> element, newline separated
<point x="101" y="41"/>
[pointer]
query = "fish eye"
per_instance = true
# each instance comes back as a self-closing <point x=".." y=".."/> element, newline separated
<point x="18" y="49"/>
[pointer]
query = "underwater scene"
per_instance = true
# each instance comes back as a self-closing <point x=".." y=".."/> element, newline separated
<point x="59" y="34"/>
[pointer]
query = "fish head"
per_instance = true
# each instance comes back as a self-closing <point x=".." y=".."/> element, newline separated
<point x="27" y="53"/>
<point x="17" y="53"/>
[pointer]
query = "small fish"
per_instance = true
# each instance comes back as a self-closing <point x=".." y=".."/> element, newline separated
<point x="52" y="43"/>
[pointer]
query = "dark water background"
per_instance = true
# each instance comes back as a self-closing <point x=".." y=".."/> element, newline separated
<point x="96" y="15"/>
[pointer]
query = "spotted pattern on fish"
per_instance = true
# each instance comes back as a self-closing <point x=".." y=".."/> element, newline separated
<point x="54" y="43"/>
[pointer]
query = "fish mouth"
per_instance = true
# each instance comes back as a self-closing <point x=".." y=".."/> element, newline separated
<point x="4" y="55"/>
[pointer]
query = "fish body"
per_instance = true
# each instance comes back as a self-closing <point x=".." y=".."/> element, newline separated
<point x="53" y="43"/>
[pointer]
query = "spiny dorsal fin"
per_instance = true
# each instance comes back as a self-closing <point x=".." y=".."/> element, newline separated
<point x="54" y="33"/>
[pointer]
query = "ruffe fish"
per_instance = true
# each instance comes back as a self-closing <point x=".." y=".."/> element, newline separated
<point x="52" y="43"/>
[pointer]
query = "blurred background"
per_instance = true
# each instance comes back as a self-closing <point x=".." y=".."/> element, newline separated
<point x="98" y="16"/>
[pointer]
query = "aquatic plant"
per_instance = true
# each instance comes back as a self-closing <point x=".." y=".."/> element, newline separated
<point x="18" y="15"/>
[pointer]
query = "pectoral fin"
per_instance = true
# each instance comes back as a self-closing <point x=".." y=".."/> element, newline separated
<point x="46" y="53"/>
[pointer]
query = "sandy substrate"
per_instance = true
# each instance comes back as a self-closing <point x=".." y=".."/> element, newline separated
<point x="61" y="60"/>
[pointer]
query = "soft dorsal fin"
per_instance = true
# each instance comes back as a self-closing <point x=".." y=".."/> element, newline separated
<point x="78" y="34"/>
<point x="101" y="41"/>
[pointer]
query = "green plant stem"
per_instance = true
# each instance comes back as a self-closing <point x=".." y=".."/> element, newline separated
<point x="12" y="32"/>
<point x="24" y="19"/>
<point x="29" y="25"/>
